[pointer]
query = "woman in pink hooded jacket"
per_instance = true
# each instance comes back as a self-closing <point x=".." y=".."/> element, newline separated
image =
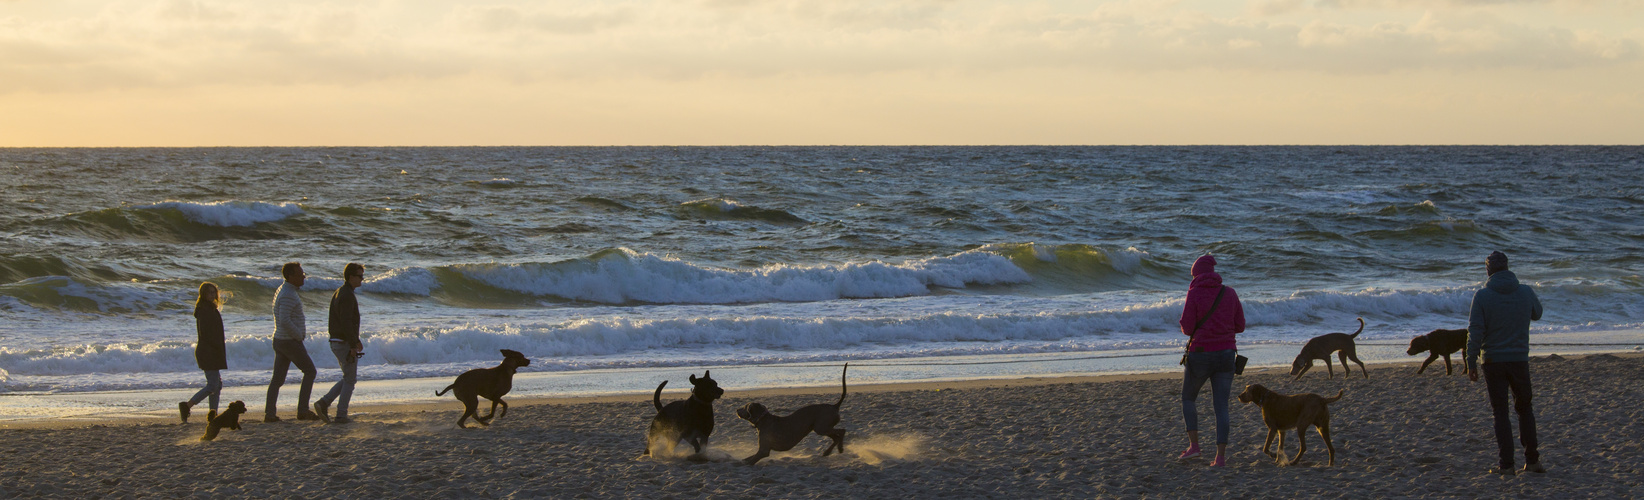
<point x="1210" y="351"/>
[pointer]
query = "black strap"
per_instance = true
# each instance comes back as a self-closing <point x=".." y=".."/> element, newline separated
<point x="1200" y="324"/>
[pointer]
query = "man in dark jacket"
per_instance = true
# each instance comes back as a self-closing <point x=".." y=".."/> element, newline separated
<point x="1499" y="328"/>
<point x="345" y="343"/>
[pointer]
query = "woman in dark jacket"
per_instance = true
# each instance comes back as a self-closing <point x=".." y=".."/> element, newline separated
<point x="210" y="353"/>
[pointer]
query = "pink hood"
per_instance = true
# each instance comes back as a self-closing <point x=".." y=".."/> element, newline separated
<point x="1219" y="331"/>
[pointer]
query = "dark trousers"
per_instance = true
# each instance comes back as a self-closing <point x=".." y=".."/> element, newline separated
<point x="287" y="353"/>
<point x="1514" y="377"/>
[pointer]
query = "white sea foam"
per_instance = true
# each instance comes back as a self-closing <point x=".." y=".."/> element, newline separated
<point x="230" y="213"/>
<point x="628" y="276"/>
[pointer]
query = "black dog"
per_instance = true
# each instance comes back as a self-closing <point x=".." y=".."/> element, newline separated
<point x="782" y="433"/>
<point x="489" y="383"/>
<point x="1322" y="346"/>
<point x="229" y="419"/>
<point x="1438" y="343"/>
<point x="691" y="419"/>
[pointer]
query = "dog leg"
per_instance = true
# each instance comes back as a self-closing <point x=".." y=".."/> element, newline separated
<point x="1430" y="360"/>
<point x="838" y="437"/>
<point x="1332" y="368"/>
<point x="763" y="452"/>
<point x="489" y="415"/>
<point x="1301" y="438"/>
<point x="1283" y="460"/>
<point x="1267" y="447"/>
<point x="470" y="404"/>
<point x="1447" y="370"/>
<point x="1345" y="370"/>
<point x="1354" y="355"/>
<point x="1324" y="432"/>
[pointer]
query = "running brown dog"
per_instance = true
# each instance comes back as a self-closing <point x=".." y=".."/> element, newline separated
<point x="1322" y="346"/>
<point x="1438" y="343"/>
<point x="783" y="433"/>
<point x="489" y="383"/>
<point x="1282" y="413"/>
<point x="228" y="419"/>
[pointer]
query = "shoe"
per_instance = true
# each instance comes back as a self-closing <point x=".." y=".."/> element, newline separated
<point x="307" y="415"/>
<point x="182" y="410"/>
<point x="211" y="415"/>
<point x="1192" y="451"/>
<point x="1505" y="471"/>
<point x="270" y="419"/>
<point x="1536" y="468"/>
<point x="340" y="420"/>
<point x="1219" y="462"/>
<point x="320" y="408"/>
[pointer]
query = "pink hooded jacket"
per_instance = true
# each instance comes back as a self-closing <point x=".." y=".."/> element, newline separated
<point x="1228" y="321"/>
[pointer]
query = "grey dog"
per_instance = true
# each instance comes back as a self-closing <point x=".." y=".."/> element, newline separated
<point x="782" y="433"/>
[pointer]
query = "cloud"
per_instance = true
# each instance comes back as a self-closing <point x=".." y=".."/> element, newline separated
<point x="181" y="43"/>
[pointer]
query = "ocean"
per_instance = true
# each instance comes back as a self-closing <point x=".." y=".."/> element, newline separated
<point x="592" y="259"/>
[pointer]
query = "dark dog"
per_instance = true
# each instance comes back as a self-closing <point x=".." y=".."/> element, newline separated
<point x="782" y="433"/>
<point x="1282" y="413"/>
<point x="1322" y="346"/>
<point x="230" y="419"/>
<point x="691" y="420"/>
<point x="1438" y="343"/>
<point x="489" y="383"/>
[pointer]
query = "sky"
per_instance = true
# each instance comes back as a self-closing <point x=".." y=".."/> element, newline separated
<point x="805" y="72"/>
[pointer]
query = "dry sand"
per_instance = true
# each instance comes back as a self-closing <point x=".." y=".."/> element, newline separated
<point x="1397" y="435"/>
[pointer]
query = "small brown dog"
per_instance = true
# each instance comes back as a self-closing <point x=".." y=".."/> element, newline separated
<point x="1282" y="413"/>
<point x="489" y="383"/>
<point x="230" y="419"/>
<point x="1320" y="347"/>
<point x="783" y="433"/>
<point x="1438" y="343"/>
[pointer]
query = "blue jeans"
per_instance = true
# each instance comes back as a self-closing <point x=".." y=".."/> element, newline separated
<point x="344" y="389"/>
<point x="213" y="387"/>
<point x="1216" y="367"/>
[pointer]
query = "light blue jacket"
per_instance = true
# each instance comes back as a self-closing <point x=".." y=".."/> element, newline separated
<point x="1499" y="325"/>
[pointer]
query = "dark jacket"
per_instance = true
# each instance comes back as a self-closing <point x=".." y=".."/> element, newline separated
<point x="210" y="353"/>
<point x="1220" y="329"/>
<point x="1499" y="325"/>
<point x="345" y="316"/>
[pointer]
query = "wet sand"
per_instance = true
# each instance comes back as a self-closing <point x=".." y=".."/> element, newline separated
<point x="1396" y="434"/>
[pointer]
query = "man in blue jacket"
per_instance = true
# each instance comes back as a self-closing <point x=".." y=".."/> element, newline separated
<point x="1499" y="327"/>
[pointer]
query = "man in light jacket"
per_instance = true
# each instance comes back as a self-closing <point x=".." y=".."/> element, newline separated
<point x="1499" y="329"/>
<point x="289" y="332"/>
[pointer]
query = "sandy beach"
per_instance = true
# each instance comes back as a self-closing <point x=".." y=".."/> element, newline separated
<point x="1397" y="435"/>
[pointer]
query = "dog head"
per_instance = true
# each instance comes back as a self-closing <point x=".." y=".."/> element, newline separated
<point x="1418" y="345"/>
<point x="1301" y="363"/>
<point x="705" y="388"/>
<point x="752" y="413"/>
<point x="235" y="408"/>
<point x="515" y="357"/>
<point x="1252" y="393"/>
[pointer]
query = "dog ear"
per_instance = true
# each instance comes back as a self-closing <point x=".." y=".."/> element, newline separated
<point x="705" y="373"/>
<point x="693" y="378"/>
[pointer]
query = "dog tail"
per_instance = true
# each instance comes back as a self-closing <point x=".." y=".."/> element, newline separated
<point x="842" y="388"/>
<point x="1339" y="392"/>
<point x="442" y="392"/>
<point x="1361" y="329"/>
<point x="656" y="398"/>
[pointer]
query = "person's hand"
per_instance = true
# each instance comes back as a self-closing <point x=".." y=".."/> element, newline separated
<point x="1472" y="375"/>
<point x="359" y="350"/>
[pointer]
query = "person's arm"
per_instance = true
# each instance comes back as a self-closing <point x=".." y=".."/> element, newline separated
<point x="1535" y="305"/>
<point x="1476" y="327"/>
<point x="288" y="312"/>
<point x="1190" y="315"/>
<point x="353" y="320"/>
<point x="1238" y="311"/>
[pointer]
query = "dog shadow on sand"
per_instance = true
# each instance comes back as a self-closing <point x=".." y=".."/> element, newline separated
<point x="867" y="450"/>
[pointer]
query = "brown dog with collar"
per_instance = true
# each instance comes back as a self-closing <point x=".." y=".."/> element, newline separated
<point x="782" y="433"/>
<point x="1282" y="413"/>
<point x="1438" y="343"/>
